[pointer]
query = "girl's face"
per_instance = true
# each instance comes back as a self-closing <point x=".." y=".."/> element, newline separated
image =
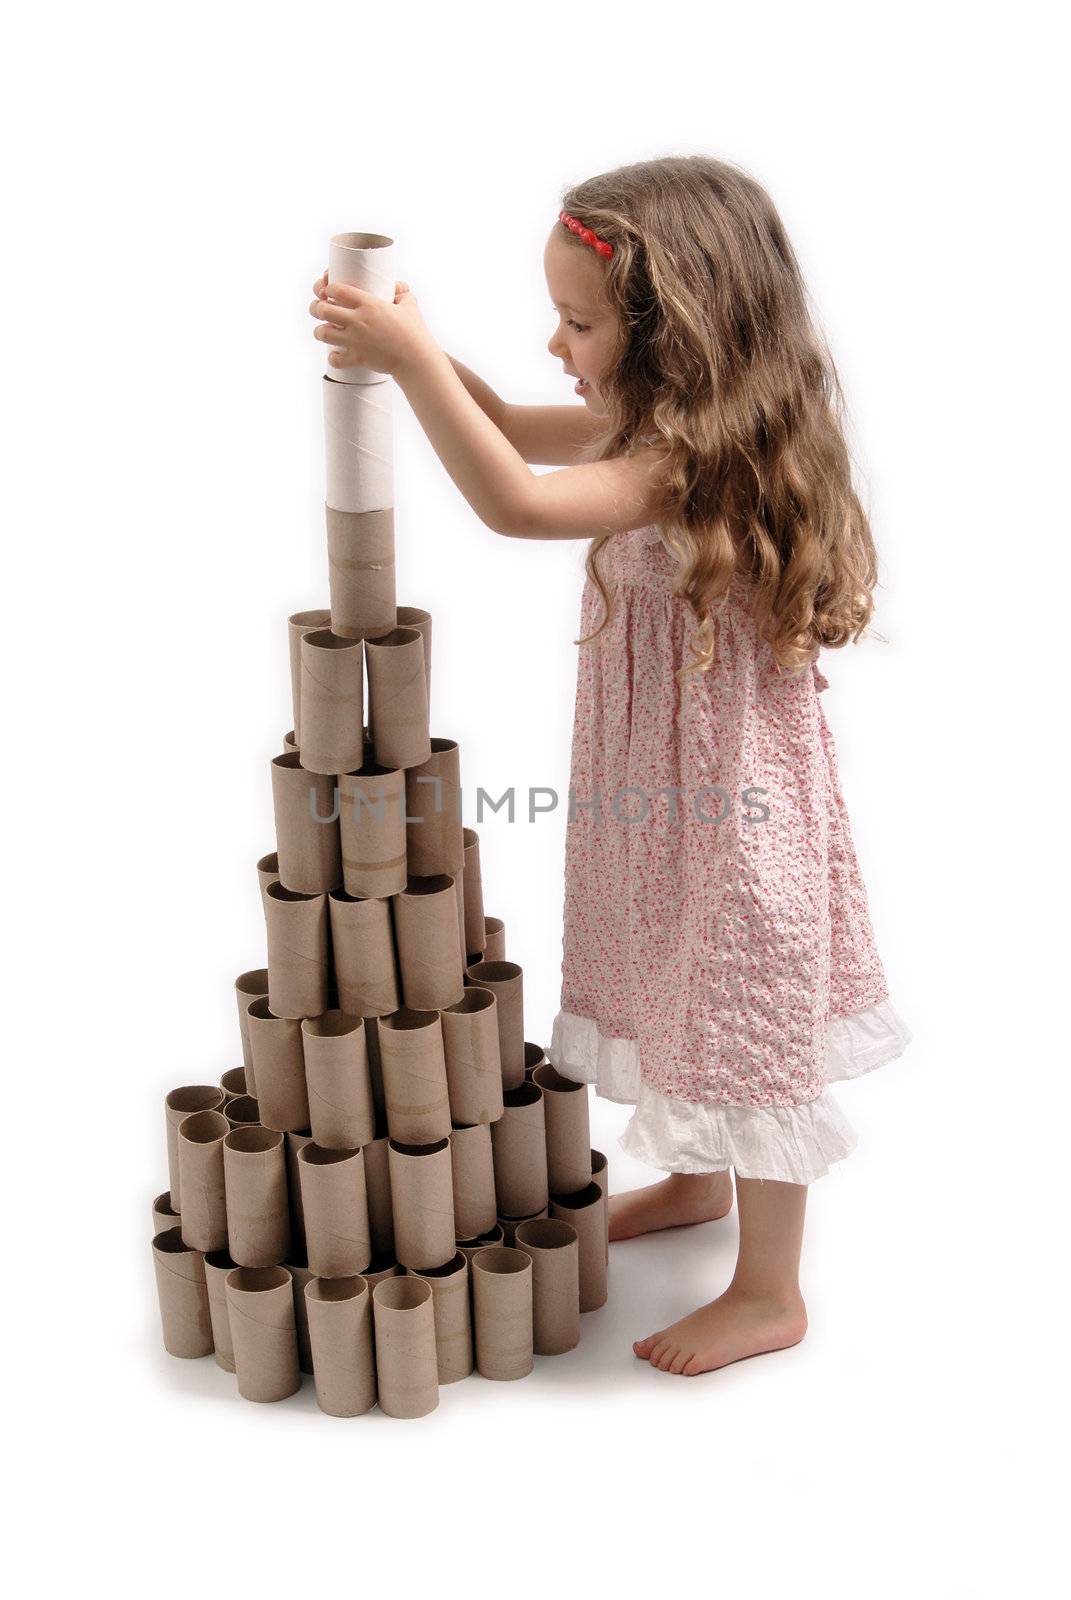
<point x="586" y="338"/>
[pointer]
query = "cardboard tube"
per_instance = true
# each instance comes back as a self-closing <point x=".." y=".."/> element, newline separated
<point x="179" y="1104"/>
<point x="260" y="1305"/>
<point x="363" y="947"/>
<point x="359" y="446"/>
<point x="249" y="986"/>
<point x="397" y="698"/>
<point x="509" y="1225"/>
<point x="298" y="1268"/>
<point x="502" y="1301"/>
<point x="473" y="1057"/>
<point x="473" y="1180"/>
<point x="290" y="739"/>
<point x="422" y="1191"/>
<point x="258" y="1219"/>
<point x="183" y="1296"/>
<point x="233" y="1083"/>
<point x="483" y="1241"/>
<point x="332" y="702"/>
<point x="587" y="1213"/>
<point x="381" y="1267"/>
<point x="406" y="1361"/>
<point x="295" y="1143"/>
<point x="340" y="1330"/>
<point x="217" y="1265"/>
<point x="414" y="1077"/>
<point x="518" y="1142"/>
<point x="600" y="1174"/>
<point x="297" y="953"/>
<point x="306" y="827"/>
<point x="361" y="571"/>
<point x="433" y="832"/>
<point x="334" y="1199"/>
<point x="242" y="1111"/>
<point x="367" y="261"/>
<point x="416" y="617"/>
<point x="494" y="939"/>
<point x="200" y="1161"/>
<point x="377" y="1189"/>
<point x="472" y="895"/>
<point x="505" y="981"/>
<point x="534" y="1056"/>
<point x="279" y="1068"/>
<point x="164" y="1216"/>
<point x="267" y="872"/>
<point x="565" y="1105"/>
<point x="555" y="1252"/>
<point x="372" y="823"/>
<point x="375" y="1072"/>
<point x="453" y="1318"/>
<point x="301" y="623"/>
<point x="341" y="1113"/>
<point x="429" y="951"/>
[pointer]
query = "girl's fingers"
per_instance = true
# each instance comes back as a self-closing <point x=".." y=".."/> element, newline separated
<point x="329" y="335"/>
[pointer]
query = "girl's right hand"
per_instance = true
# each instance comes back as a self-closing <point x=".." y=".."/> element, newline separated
<point x="319" y="286"/>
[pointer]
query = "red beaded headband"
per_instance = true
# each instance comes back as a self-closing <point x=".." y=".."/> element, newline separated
<point x="586" y="234"/>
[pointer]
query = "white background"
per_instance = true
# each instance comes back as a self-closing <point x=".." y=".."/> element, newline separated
<point x="173" y="177"/>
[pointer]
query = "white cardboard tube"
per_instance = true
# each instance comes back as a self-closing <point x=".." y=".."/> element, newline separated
<point x="366" y="261"/>
<point x="359" y="445"/>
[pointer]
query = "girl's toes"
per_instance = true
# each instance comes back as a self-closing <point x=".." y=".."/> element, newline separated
<point x="693" y="1367"/>
<point x="664" y="1360"/>
<point x="643" y="1347"/>
<point x="680" y="1361"/>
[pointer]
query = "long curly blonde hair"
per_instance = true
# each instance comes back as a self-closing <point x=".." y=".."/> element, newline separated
<point x="721" y="368"/>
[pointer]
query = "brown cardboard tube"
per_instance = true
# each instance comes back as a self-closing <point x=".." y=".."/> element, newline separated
<point x="267" y="872"/>
<point x="334" y="1199"/>
<point x="473" y="1057"/>
<point x="375" y="1071"/>
<point x="414" y="1076"/>
<point x="260" y="1305"/>
<point x="233" y="1083"/>
<point x="472" y="895"/>
<point x="459" y="901"/>
<point x="249" y="986"/>
<point x="509" y="1225"/>
<point x="295" y="1143"/>
<point x="217" y="1265"/>
<point x="301" y="623"/>
<point x="433" y="832"/>
<point x="297" y="953"/>
<point x="290" y="739"/>
<point x="182" y="1294"/>
<point x="453" y="1319"/>
<point x="380" y="1205"/>
<point x="279" y="1068"/>
<point x="341" y="1113"/>
<point x="340" y="1329"/>
<point x="332" y="702"/>
<point x="473" y="1180"/>
<point x="258" y="1220"/>
<point x="429" y="951"/>
<point x="416" y="617"/>
<point x="372" y="821"/>
<point x="242" y="1111"/>
<point x="200" y="1161"/>
<point x="534" y="1056"/>
<point x="361" y="571"/>
<point x="358" y="445"/>
<point x="494" y="939"/>
<point x="164" y="1216"/>
<point x="365" y="966"/>
<point x="518" y="1141"/>
<point x="422" y="1191"/>
<point x="381" y="1267"/>
<point x="565" y="1104"/>
<point x="555" y="1253"/>
<point x="179" y="1104"/>
<point x="587" y="1213"/>
<point x="502" y="1302"/>
<point x="505" y="981"/>
<point x="397" y="699"/>
<point x="483" y="1241"/>
<point x="307" y="812"/>
<point x="406" y="1362"/>
<point x="298" y="1268"/>
<point x="600" y="1174"/>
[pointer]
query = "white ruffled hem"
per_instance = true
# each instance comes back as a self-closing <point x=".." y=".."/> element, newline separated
<point x="791" y="1144"/>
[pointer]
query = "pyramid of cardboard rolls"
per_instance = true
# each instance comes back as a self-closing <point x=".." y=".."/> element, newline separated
<point x="396" y="1188"/>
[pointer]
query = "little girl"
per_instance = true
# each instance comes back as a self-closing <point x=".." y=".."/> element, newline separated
<point x="719" y="964"/>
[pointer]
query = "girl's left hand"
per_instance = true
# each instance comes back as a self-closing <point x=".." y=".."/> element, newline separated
<point x="367" y="331"/>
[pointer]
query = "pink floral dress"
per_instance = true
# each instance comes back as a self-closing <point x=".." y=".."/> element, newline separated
<point x="719" y="966"/>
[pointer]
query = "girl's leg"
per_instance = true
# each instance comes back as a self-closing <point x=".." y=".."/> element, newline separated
<point x="762" y="1309"/>
<point x="679" y="1199"/>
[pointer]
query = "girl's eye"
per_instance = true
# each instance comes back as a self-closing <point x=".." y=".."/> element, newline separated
<point x="580" y="327"/>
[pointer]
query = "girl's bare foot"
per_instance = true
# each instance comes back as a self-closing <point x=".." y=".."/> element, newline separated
<point x="734" y="1326"/>
<point x="680" y="1199"/>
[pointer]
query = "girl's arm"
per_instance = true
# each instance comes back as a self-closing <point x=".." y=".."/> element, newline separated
<point x="550" y="436"/>
<point x="574" y="503"/>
